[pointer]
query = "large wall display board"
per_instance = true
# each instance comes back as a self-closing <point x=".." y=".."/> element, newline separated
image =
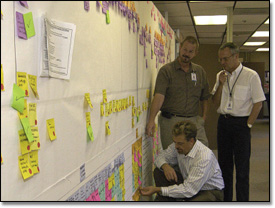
<point x="77" y="79"/>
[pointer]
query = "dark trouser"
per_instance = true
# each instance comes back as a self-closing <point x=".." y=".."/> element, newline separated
<point x="207" y="195"/>
<point x="234" y="146"/>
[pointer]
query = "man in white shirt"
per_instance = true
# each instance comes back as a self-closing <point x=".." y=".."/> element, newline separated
<point x="200" y="177"/>
<point x="238" y="95"/>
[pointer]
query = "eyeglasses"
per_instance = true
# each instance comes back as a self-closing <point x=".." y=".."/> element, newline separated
<point x="225" y="58"/>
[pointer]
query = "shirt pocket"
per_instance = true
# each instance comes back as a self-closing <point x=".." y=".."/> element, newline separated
<point x="241" y="92"/>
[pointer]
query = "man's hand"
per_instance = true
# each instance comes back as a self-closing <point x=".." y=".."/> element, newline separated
<point x="148" y="191"/>
<point x="169" y="172"/>
<point x="222" y="77"/>
<point x="150" y="128"/>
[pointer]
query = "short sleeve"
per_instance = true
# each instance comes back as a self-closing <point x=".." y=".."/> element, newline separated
<point x="257" y="92"/>
<point x="161" y="82"/>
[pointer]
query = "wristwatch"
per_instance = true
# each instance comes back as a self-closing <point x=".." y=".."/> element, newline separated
<point x="249" y="126"/>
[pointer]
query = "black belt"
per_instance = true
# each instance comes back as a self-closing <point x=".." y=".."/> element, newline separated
<point x="230" y="116"/>
<point x="169" y="115"/>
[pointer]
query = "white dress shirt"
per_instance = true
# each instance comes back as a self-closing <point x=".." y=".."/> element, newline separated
<point x="199" y="168"/>
<point x="247" y="91"/>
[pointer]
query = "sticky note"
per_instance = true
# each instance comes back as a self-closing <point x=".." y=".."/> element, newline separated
<point x="94" y="196"/>
<point x="29" y="26"/>
<point x="104" y="96"/>
<point x="25" y="146"/>
<point x="25" y="166"/>
<point x="35" y="145"/>
<point x="27" y="128"/>
<point x="133" y="122"/>
<point x="88" y="99"/>
<point x="32" y="114"/>
<point x="22" y="82"/>
<point x="24" y="4"/>
<point x="2" y="79"/>
<point x="111" y="181"/>
<point x="33" y="158"/>
<point x="21" y="32"/>
<point x="51" y="129"/>
<point x="101" y="191"/>
<point x="90" y="133"/>
<point x="25" y="113"/>
<point x="107" y="128"/>
<point x="1" y="153"/>
<point x="18" y="98"/>
<point x="107" y="17"/>
<point x="88" y="119"/>
<point x="33" y="85"/>
<point x="87" y="5"/>
<point x="107" y="109"/>
<point x="101" y="109"/>
<point x="114" y="106"/>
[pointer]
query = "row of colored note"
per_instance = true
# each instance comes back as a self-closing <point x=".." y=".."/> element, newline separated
<point x="107" y="185"/>
<point x="136" y="166"/>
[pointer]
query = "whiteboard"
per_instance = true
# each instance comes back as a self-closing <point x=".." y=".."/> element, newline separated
<point x="105" y="56"/>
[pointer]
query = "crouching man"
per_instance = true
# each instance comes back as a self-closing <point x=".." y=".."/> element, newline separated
<point x="200" y="177"/>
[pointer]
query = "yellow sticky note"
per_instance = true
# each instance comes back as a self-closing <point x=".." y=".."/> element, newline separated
<point x="88" y="119"/>
<point x="32" y="114"/>
<point x="33" y="158"/>
<point x="25" y="166"/>
<point x="25" y="146"/>
<point x="27" y="128"/>
<point x="107" y="109"/>
<point x="22" y="82"/>
<point x="104" y="96"/>
<point x="1" y="159"/>
<point x="25" y="111"/>
<point x="147" y="93"/>
<point x="133" y="101"/>
<point x="114" y="106"/>
<point x="110" y="107"/>
<point x="108" y="17"/>
<point x="133" y="122"/>
<point x="33" y="84"/>
<point x="29" y="26"/>
<point x="107" y="128"/>
<point x="101" y="109"/>
<point x="35" y="145"/>
<point x="111" y="181"/>
<point x="87" y="96"/>
<point x="2" y="78"/>
<point x="51" y="129"/>
<point x="18" y="98"/>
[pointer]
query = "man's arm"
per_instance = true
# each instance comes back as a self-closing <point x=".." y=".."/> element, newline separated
<point x="148" y="191"/>
<point x="255" y="112"/>
<point x="155" y="107"/>
<point x="218" y="94"/>
<point x="204" y="109"/>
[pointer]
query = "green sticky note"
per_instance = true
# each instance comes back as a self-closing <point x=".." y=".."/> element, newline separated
<point x="90" y="132"/>
<point x="27" y="128"/>
<point x="18" y="100"/>
<point x="107" y="17"/>
<point x="29" y="26"/>
<point x="101" y="192"/>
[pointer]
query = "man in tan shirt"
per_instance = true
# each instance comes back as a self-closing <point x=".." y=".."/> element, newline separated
<point x="180" y="87"/>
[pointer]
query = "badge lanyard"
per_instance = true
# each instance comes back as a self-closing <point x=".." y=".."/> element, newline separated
<point x="230" y="104"/>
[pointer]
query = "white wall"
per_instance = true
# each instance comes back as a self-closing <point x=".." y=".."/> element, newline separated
<point x="104" y="57"/>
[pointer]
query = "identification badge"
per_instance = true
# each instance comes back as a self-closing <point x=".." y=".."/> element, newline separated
<point x="230" y="105"/>
<point x="193" y="77"/>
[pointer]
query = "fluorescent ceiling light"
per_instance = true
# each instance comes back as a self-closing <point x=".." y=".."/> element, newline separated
<point x="211" y="20"/>
<point x="254" y="43"/>
<point x="261" y="34"/>
<point x="262" y="49"/>
<point x="267" y="21"/>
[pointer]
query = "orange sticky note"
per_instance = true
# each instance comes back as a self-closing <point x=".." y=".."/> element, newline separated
<point x="51" y="129"/>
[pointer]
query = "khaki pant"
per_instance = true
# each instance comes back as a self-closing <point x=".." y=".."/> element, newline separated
<point x="167" y="124"/>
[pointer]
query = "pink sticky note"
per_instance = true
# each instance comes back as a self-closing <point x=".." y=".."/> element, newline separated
<point x="139" y="164"/>
<point x="138" y="154"/>
<point x="139" y="182"/>
<point x="135" y="157"/>
<point x="21" y="32"/>
<point x="94" y="196"/>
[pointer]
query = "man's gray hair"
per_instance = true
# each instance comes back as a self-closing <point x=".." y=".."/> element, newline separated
<point x="232" y="46"/>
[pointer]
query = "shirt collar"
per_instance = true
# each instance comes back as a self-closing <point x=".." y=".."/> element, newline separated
<point x="237" y="70"/>
<point x="178" y="67"/>
<point x="194" y="150"/>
